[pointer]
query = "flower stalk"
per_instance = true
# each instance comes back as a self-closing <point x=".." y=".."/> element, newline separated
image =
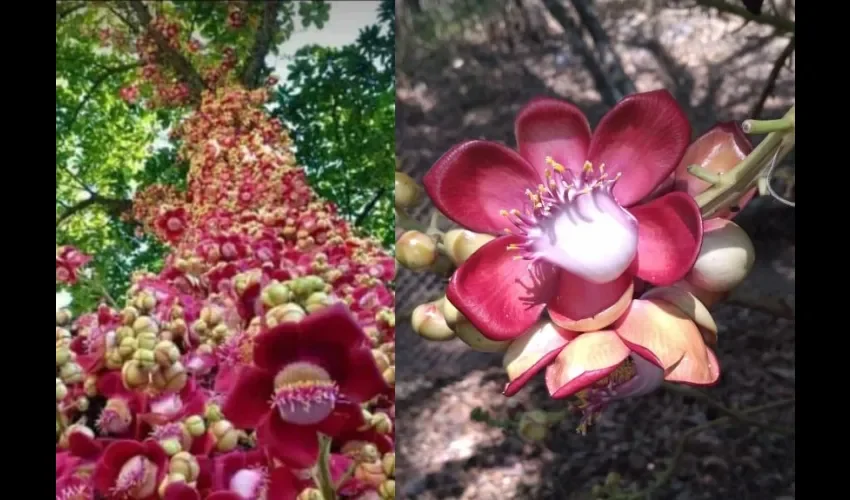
<point x="323" y="478"/>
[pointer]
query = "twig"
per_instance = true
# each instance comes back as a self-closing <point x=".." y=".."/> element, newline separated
<point x="367" y="209"/>
<point x="737" y="415"/>
<point x="262" y="43"/>
<point x="781" y="24"/>
<point x="100" y="80"/>
<point x="114" y="206"/>
<point x="772" y="77"/>
<point x="604" y="48"/>
<point x="665" y="476"/>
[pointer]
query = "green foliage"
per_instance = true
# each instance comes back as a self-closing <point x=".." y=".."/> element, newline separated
<point x="340" y="106"/>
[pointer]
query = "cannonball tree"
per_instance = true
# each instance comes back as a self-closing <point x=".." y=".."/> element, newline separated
<point x="258" y="362"/>
<point x="590" y="257"/>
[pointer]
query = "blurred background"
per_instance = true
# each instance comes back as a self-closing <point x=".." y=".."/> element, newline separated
<point x="464" y="68"/>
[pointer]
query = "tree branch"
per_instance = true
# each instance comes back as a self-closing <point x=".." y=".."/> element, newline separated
<point x="758" y="107"/>
<point x="572" y="31"/>
<point x="611" y="63"/>
<point x="113" y="206"/>
<point x="174" y="58"/>
<point x="781" y="24"/>
<point x="62" y="14"/>
<point x="100" y="80"/>
<point x="369" y="207"/>
<point x="265" y="34"/>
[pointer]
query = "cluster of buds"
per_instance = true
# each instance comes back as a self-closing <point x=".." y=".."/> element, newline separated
<point x="605" y="272"/>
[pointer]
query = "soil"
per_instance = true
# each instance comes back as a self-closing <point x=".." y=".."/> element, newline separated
<point x="471" y="86"/>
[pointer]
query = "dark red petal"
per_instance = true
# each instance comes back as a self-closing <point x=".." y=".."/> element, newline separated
<point x="549" y="127"/>
<point x="474" y="180"/>
<point x="498" y="294"/>
<point x="84" y="446"/>
<point x="249" y="399"/>
<point x="347" y="416"/>
<point x="669" y="238"/>
<point x="110" y="463"/>
<point x="224" y="495"/>
<point x="296" y="445"/>
<point x="283" y="484"/>
<point x="583" y="306"/>
<point x="643" y="137"/>
<point x="181" y="491"/>
<point x="333" y="325"/>
<point x="363" y="381"/>
<point x="275" y="348"/>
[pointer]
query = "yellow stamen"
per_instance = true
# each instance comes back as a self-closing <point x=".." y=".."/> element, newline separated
<point x="555" y="165"/>
<point x="518" y="257"/>
<point x="513" y="246"/>
<point x="602" y="168"/>
<point x="515" y="212"/>
<point x="541" y="188"/>
<point x="588" y="167"/>
<point x="503" y="213"/>
<point x="508" y="231"/>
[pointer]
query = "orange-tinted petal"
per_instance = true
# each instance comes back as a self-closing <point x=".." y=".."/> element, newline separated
<point x="661" y="332"/>
<point x="582" y="306"/>
<point x="529" y="354"/>
<point x="590" y="357"/>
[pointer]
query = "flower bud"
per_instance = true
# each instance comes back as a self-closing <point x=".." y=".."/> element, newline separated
<point x="211" y="315"/>
<point x="533" y="426"/>
<point x="166" y="353"/>
<point x="387" y="489"/>
<point x="285" y="313"/>
<point x="220" y="332"/>
<point x="317" y="301"/>
<point x="178" y="327"/>
<point x="408" y="193"/>
<point x="276" y="294"/>
<point x="71" y="373"/>
<point x="168" y="481"/>
<point x="388" y="463"/>
<point x="62" y="335"/>
<point x="171" y="445"/>
<point x="127" y="347"/>
<point x="63" y="355"/>
<point x="170" y="379"/>
<point x="129" y="315"/>
<point x="200" y="328"/>
<point x="82" y="403"/>
<point x="145" y="302"/>
<point x="114" y="360"/>
<point x="450" y="313"/>
<point x="185" y="464"/>
<point x="476" y="340"/>
<point x="371" y="472"/>
<point x="124" y="332"/>
<point x="146" y="341"/>
<point x="416" y="251"/>
<point x="226" y="437"/>
<point x="133" y="376"/>
<point x="90" y="386"/>
<point x="427" y="320"/>
<point x="382" y="423"/>
<point x="461" y="244"/>
<point x="63" y="317"/>
<point x="61" y="390"/>
<point x="389" y="375"/>
<point x="195" y="425"/>
<point x="145" y="358"/>
<point x="311" y="494"/>
<point x="726" y="257"/>
<point x="381" y="359"/>
<point x="145" y="324"/>
<point x="212" y="413"/>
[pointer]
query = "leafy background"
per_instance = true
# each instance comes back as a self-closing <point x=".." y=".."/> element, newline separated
<point x="338" y="101"/>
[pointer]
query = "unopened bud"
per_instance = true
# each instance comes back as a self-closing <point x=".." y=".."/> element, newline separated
<point x="371" y="472"/>
<point x="114" y="360"/>
<point x="461" y="244"/>
<point x="146" y="340"/>
<point x="381" y="359"/>
<point x="61" y="390"/>
<point x="211" y="315"/>
<point x="145" y="324"/>
<point x="145" y="358"/>
<point x="368" y="453"/>
<point x="82" y="404"/>
<point x="63" y="317"/>
<point x="168" y="481"/>
<point x="166" y="353"/>
<point x="129" y="315"/>
<point x="186" y="464"/>
<point x="275" y="294"/>
<point x="387" y="490"/>
<point x="62" y="334"/>
<point x="226" y="437"/>
<point x="317" y="301"/>
<point x="388" y="463"/>
<point x="382" y="423"/>
<point x="172" y="378"/>
<point x="212" y="413"/>
<point x="127" y="347"/>
<point x="416" y="251"/>
<point x="311" y="494"/>
<point x="408" y="194"/>
<point x="389" y="375"/>
<point x="195" y="425"/>
<point x="450" y="312"/>
<point x="71" y="373"/>
<point x="171" y="446"/>
<point x="133" y="376"/>
<point x="178" y="327"/>
<point x="427" y="320"/>
<point x="200" y="328"/>
<point x="285" y="313"/>
<point x="90" y="386"/>
<point x="476" y="340"/>
<point x="124" y="332"/>
<point x="220" y="332"/>
<point x="63" y="355"/>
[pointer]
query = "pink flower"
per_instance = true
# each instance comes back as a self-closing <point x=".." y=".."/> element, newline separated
<point x="309" y="377"/>
<point x="68" y="261"/>
<point x="130" y="469"/>
<point x="570" y="203"/>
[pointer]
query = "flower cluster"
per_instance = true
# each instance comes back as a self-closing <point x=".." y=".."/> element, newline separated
<point x="584" y="253"/>
<point x="271" y="324"/>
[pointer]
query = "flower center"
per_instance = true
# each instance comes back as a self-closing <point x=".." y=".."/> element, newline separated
<point x="174" y="224"/>
<point x="574" y="222"/>
<point x="136" y="479"/>
<point x="79" y="491"/>
<point x="168" y="405"/>
<point x="62" y="273"/>
<point x="635" y="377"/>
<point x="305" y="394"/>
<point x="250" y="484"/>
<point x="115" y="418"/>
